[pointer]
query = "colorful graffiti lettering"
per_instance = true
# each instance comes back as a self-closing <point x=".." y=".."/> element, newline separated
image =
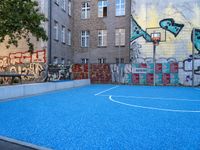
<point x="136" y="74"/>
<point x="196" y="39"/>
<point x="137" y="32"/>
<point x="25" y="63"/>
<point x="170" y="25"/>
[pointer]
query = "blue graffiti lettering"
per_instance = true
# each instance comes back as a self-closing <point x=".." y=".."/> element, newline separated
<point x="137" y="32"/>
<point x="170" y="25"/>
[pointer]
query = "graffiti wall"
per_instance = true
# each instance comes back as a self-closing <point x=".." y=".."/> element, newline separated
<point x="24" y="63"/>
<point x="99" y="73"/>
<point x="143" y="73"/>
<point x="133" y="74"/>
<point x="80" y="71"/>
<point x="58" y="72"/>
<point x="176" y="19"/>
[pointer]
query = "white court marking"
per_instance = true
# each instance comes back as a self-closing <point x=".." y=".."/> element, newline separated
<point x="106" y="90"/>
<point x="153" y="108"/>
<point x="153" y="98"/>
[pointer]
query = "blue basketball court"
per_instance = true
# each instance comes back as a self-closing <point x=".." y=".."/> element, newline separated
<point x="106" y="117"/>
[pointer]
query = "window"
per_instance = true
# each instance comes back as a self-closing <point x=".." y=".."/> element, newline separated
<point x="55" y="60"/>
<point x="101" y="60"/>
<point x="120" y="37"/>
<point x="102" y="8"/>
<point x="63" y="34"/>
<point x="120" y="7"/>
<point x="56" y="30"/>
<point x="69" y="7"/>
<point x="85" y="60"/>
<point x="85" y="35"/>
<point x="62" y="61"/>
<point x="85" y="14"/>
<point x="117" y="60"/>
<point x="69" y="37"/>
<point x="64" y="5"/>
<point x="102" y="37"/>
<point x="57" y="2"/>
<point x="121" y="60"/>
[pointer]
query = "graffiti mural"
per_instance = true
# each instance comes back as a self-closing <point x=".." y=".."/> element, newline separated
<point x="137" y="32"/>
<point x="196" y="39"/>
<point x="99" y="73"/>
<point x="59" y="72"/>
<point x="185" y="71"/>
<point x="142" y="73"/>
<point x="135" y="51"/>
<point x="170" y="25"/>
<point x="79" y="71"/>
<point x="24" y="63"/>
<point x="133" y="74"/>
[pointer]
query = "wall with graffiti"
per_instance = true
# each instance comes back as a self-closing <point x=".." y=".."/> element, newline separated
<point x="24" y="63"/>
<point x="134" y="74"/>
<point x="143" y="73"/>
<point x="99" y="73"/>
<point x="175" y="21"/>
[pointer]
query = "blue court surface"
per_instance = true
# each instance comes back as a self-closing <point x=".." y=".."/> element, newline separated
<point x="107" y="117"/>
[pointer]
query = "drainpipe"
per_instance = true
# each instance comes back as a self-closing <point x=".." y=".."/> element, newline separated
<point x="49" y="31"/>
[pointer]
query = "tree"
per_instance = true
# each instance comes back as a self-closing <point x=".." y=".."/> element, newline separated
<point x="21" y="19"/>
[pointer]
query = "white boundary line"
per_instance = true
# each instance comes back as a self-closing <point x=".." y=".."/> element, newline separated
<point x="153" y="98"/>
<point x="153" y="108"/>
<point x="106" y="90"/>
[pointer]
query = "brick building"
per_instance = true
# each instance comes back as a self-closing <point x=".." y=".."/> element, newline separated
<point x="101" y="31"/>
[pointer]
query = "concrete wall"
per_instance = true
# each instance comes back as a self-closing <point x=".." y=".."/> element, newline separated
<point x="8" y="92"/>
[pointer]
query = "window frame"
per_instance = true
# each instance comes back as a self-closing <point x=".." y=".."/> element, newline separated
<point x="120" y="8"/>
<point x="84" y="60"/>
<point x="102" y="7"/>
<point x="56" y="30"/>
<point x="85" y="11"/>
<point x="63" y="31"/>
<point x="104" y="38"/>
<point x="85" y="38"/>
<point x="69" y="7"/>
<point x="69" y="37"/>
<point x="119" y="42"/>
<point x="101" y="60"/>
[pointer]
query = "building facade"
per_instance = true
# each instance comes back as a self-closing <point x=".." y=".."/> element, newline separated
<point x="60" y="31"/>
<point x="101" y="31"/>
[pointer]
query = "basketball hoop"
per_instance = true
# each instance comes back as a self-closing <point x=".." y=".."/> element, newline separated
<point x="156" y="37"/>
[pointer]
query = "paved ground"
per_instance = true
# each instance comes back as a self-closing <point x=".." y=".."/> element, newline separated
<point x="5" y="145"/>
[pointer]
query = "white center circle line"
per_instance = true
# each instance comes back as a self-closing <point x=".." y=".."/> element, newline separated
<point x="153" y="108"/>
